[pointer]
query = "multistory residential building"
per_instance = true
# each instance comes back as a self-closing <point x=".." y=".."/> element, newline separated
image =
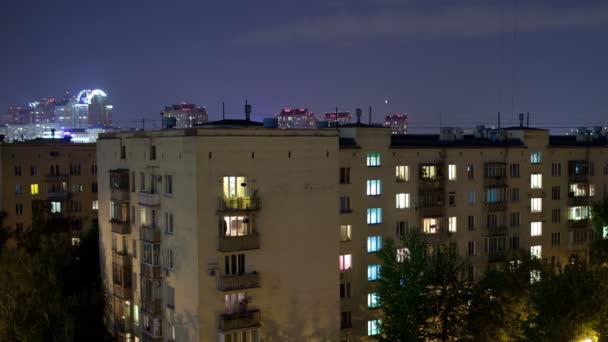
<point x="296" y="118"/>
<point x="204" y="238"/>
<point x="186" y="115"/>
<point x="397" y="123"/>
<point x="187" y="215"/>
<point x="53" y="178"/>
<point x="341" y="118"/>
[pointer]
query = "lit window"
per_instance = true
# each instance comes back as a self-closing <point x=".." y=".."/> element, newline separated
<point x="374" y="244"/>
<point x="235" y="187"/>
<point x="536" y="205"/>
<point x="345" y="262"/>
<point x="452" y="172"/>
<point x="402" y="254"/>
<point x="403" y="201"/>
<point x="536" y="181"/>
<point x="578" y="213"/>
<point x="605" y="232"/>
<point x="373" y="327"/>
<point x="136" y="314"/>
<point x="345" y="232"/>
<point x="428" y="172"/>
<point x="55" y="207"/>
<point x="34" y="189"/>
<point x="452" y="224"/>
<point x="374" y="215"/>
<point x="234" y="225"/>
<point x="373" y="300"/>
<point x="402" y="173"/>
<point x="430" y="225"/>
<point x="95" y="205"/>
<point x="536" y="251"/>
<point x="75" y="241"/>
<point x="535" y="157"/>
<point x="534" y="276"/>
<point x="373" y="187"/>
<point x="373" y="159"/>
<point x="578" y="189"/>
<point x="536" y="228"/>
<point x="373" y="272"/>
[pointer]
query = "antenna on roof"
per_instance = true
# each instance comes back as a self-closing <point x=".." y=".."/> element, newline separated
<point x="528" y="120"/>
<point x="336" y="116"/>
<point x="498" y="120"/>
<point x="370" y="115"/>
<point x="359" y="114"/>
<point x="223" y="111"/>
<point x="521" y="119"/>
<point x="440" y="120"/>
<point x="247" y="111"/>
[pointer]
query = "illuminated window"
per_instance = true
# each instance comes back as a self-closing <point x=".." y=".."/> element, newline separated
<point x="402" y="173"/>
<point x="374" y="215"/>
<point x="373" y="300"/>
<point x="535" y="157"/>
<point x="373" y="159"/>
<point x="536" y="251"/>
<point x="428" y="172"/>
<point x="403" y="201"/>
<point x="402" y="254"/>
<point x="136" y="314"/>
<point x="235" y="187"/>
<point x="373" y="272"/>
<point x="95" y="205"/>
<point x="452" y="172"/>
<point x="605" y="232"/>
<point x="374" y="244"/>
<point x="452" y="224"/>
<point x="374" y="187"/>
<point x="536" y="181"/>
<point x="345" y="232"/>
<point x="536" y="228"/>
<point x="34" y="189"/>
<point x="233" y="225"/>
<point x="578" y="189"/>
<point x="430" y="225"/>
<point x="534" y="276"/>
<point x="345" y="262"/>
<point x="75" y="241"/>
<point x="578" y="213"/>
<point x="55" y="207"/>
<point x="536" y="205"/>
<point x="373" y="327"/>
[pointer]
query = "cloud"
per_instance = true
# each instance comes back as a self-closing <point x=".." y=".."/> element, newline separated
<point x="463" y="21"/>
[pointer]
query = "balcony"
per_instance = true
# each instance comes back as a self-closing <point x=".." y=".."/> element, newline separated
<point x="497" y="256"/>
<point x="495" y="181"/>
<point x="151" y="271"/>
<point x="123" y="326"/>
<point x="496" y="206"/>
<point x="500" y="230"/>
<point x="58" y="196"/>
<point x="149" y="199"/>
<point x="239" y="204"/>
<point x="149" y="233"/>
<point x="49" y="178"/>
<point x="578" y="178"/>
<point x="241" y="320"/>
<point x="120" y="227"/>
<point x="430" y="183"/>
<point x="122" y="259"/>
<point x="573" y="224"/>
<point x="120" y="195"/>
<point x="123" y="291"/>
<point x="237" y="282"/>
<point x="239" y="243"/>
<point x="435" y="238"/>
<point x="576" y="201"/>
<point x="431" y="210"/>
<point x="153" y="306"/>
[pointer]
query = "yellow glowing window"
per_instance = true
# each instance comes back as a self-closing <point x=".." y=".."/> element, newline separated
<point x="34" y="189"/>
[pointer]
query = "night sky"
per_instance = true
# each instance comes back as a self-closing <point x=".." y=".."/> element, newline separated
<point x="459" y="58"/>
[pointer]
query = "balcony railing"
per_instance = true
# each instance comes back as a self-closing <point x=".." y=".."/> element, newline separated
<point x="495" y="181"/>
<point x="435" y="238"/>
<point x="56" y="177"/>
<point x="241" y="320"/>
<point x="435" y="210"/>
<point x="500" y="230"/>
<point x="149" y="233"/>
<point x="575" y="201"/>
<point x="123" y="291"/>
<point x="497" y="256"/>
<point x="121" y="259"/>
<point x="578" y="178"/>
<point x="58" y="195"/>
<point x="237" y="282"/>
<point x="150" y="199"/>
<point x="120" y="195"/>
<point x="239" y="204"/>
<point x="120" y="227"/>
<point x="431" y="183"/>
<point x="496" y="206"/>
<point x="151" y="271"/>
<point x="239" y="243"/>
<point x="584" y="223"/>
<point x="153" y="306"/>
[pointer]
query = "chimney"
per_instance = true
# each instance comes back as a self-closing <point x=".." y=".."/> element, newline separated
<point x="247" y="111"/>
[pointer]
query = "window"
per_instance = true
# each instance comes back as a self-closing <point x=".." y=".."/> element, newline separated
<point x="168" y="184"/>
<point x="345" y="232"/>
<point x="18" y="189"/>
<point x="17" y="170"/>
<point x="452" y="224"/>
<point x="345" y="175"/>
<point x="536" y="228"/>
<point x="373" y="327"/>
<point x="123" y="152"/>
<point x="132" y="181"/>
<point x="536" y="205"/>
<point x="578" y="213"/>
<point x="373" y="159"/>
<point x="231" y="225"/>
<point x="496" y="195"/>
<point x="345" y="205"/>
<point x="514" y="219"/>
<point x="555" y="239"/>
<point x="373" y="272"/>
<point x="536" y="251"/>
<point x="55" y="207"/>
<point x="515" y="195"/>
<point x="169" y="223"/>
<point x="452" y="199"/>
<point x="555" y="192"/>
<point x="170" y="259"/>
<point x="402" y="201"/>
<point x="556" y="169"/>
<point x="536" y="181"/>
<point x="402" y="254"/>
<point x="346" y="262"/>
<point x="514" y="168"/>
<point x="452" y="172"/>
<point x="345" y="320"/>
<point x="33" y="170"/>
<point x="345" y="290"/>
<point x="373" y="300"/>
<point x="94" y="168"/>
<point x="18" y="209"/>
<point x="152" y="152"/>
<point x="471" y="248"/>
<point x="234" y="264"/>
<point x="535" y="157"/>
<point x="429" y="172"/>
<point x="171" y="297"/>
<point x="373" y="187"/>
<point x="514" y="242"/>
<point x="374" y="215"/>
<point x="75" y="170"/>
<point x="95" y="205"/>
<point x="430" y="225"/>
<point x="402" y="173"/>
<point x="142" y="181"/>
<point x="34" y="189"/>
<point x="556" y="215"/>
<point x="94" y="187"/>
<point x="134" y="248"/>
<point x="471" y="223"/>
<point x="578" y="190"/>
<point x="470" y="171"/>
<point x="374" y="244"/>
<point x="472" y="197"/>
<point x="401" y="228"/>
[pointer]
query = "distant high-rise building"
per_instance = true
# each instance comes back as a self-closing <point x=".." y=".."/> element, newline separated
<point x="42" y="111"/>
<point x="17" y="116"/>
<point x="342" y="118"/>
<point x="397" y="123"/>
<point x="296" y="118"/>
<point x="63" y="112"/>
<point x="91" y="108"/>
<point x="186" y="114"/>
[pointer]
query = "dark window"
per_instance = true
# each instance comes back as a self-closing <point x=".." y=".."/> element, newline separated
<point x="452" y="199"/>
<point x="345" y="290"/>
<point x="152" y="152"/>
<point x="123" y="152"/>
<point x="345" y="175"/>
<point x="555" y="192"/>
<point x="470" y="171"/>
<point x="556" y="169"/>
<point x="94" y="187"/>
<point x="345" y="205"/>
<point x="514" y="170"/>
<point x="514" y="219"/>
<point x="556" y="215"/>
<point x="345" y="321"/>
<point x="471" y="223"/>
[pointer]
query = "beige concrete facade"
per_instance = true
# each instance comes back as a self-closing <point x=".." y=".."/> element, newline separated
<point x="62" y="175"/>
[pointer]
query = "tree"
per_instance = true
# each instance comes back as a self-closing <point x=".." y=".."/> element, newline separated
<point x="599" y="247"/>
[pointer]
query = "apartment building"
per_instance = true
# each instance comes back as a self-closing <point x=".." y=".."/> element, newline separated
<point x="224" y="232"/>
<point x="53" y="175"/>
<point x="231" y="231"/>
